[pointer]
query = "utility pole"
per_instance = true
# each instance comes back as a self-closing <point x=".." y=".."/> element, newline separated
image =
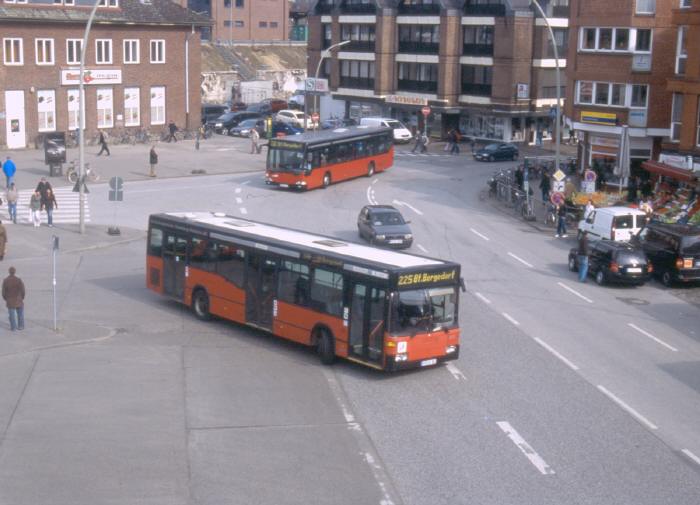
<point x="324" y="54"/>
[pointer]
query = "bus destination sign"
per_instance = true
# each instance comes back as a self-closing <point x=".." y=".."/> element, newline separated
<point x="284" y="144"/>
<point x="427" y="278"/>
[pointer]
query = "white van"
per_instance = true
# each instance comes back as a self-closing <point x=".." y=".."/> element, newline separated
<point x="401" y="133"/>
<point x="613" y="223"/>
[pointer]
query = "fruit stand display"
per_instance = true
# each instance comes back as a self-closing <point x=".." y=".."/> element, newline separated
<point x="679" y="206"/>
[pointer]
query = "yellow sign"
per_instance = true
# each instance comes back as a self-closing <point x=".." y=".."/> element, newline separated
<point x="559" y="175"/>
<point x="604" y="118"/>
<point x="427" y="277"/>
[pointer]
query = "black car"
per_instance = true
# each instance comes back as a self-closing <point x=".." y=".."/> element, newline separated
<point x="244" y="127"/>
<point x="224" y="123"/>
<point x="212" y="111"/>
<point x="496" y="152"/>
<point x="674" y="250"/>
<point x="384" y="225"/>
<point x="618" y="262"/>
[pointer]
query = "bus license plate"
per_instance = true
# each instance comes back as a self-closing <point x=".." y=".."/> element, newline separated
<point x="428" y="362"/>
<point x="284" y="185"/>
<point x="635" y="270"/>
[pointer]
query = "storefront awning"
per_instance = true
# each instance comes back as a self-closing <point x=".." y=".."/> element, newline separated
<point x="663" y="169"/>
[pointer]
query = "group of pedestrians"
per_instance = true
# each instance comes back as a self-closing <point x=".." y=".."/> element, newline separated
<point x="43" y="198"/>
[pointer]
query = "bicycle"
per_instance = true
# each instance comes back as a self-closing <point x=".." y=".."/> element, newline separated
<point x="72" y="173"/>
<point x="550" y="215"/>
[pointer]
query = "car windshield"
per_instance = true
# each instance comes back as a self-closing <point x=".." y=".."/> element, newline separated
<point x="395" y="125"/>
<point x="691" y="244"/>
<point x="284" y="160"/>
<point x="423" y="309"/>
<point x="626" y="222"/>
<point x="248" y="123"/>
<point x="387" y="218"/>
<point x="491" y="147"/>
<point x="225" y="117"/>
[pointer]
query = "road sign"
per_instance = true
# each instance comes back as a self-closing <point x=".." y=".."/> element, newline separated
<point x="590" y="176"/>
<point x="557" y="198"/>
<point x="559" y="186"/>
<point x="313" y="85"/>
<point x="588" y="186"/>
<point x="425" y="111"/>
<point x="559" y="175"/>
<point x="116" y="191"/>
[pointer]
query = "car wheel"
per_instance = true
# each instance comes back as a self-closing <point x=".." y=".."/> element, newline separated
<point x="230" y="132"/>
<point x="326" y="347"/>
<point x="326" y="180"/>
<point x="572" y="264"/>
<point x="600" y="277"/>
<point x="200" y="305"/>
<point x="370" y="169"/>
<point x="491" y="158"/>
<point x="666" y="279"/>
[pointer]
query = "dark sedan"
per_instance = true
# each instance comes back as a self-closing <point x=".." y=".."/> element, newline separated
<point x="674" y="249"/>
<point x="497" y="152"/>
<point x="619" y="262"/>
<point x="384" y="225"/>
<point x="224" y="123"/>
<point x="244" y="127"/>
<point x="279" y="129"/>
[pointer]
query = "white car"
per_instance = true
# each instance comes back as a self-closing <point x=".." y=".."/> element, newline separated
<point x="613" y="223"/>
<point x="294" y="117"/>
<point x="401" y="133"/>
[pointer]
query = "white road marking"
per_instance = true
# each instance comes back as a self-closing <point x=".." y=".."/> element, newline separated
<point x="509" y="318"/>
<point x="479" y="234"/>
<point x="647" y="334"/>
<point x="422" y="248"/>
<point x="239" y="200"/>
<point x="238" y="190"/>
<point x="525" y="448"/>
<point x="243" y="210"/>
<point x="520" y="260"/>
<point x="456" y="373"/>
<point x="402" y="204"/>
<point x="244" y="183"/>
<point x="691" y="456"/>
<point x="573" y="291"/>
<point x="369" y="197"/>
<point x="553" y="351"/>
<point x="375" y="181"/>
<point x="482" y="298"/>
<point x="629" y="409"/>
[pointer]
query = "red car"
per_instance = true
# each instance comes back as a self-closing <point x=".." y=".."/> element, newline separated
<point x="275" y="104"/>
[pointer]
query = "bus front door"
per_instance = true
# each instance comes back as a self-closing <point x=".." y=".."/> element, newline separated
<point x="260" y="290"/>
<point x="174" y="260"/>
<point x="367" y="322"/>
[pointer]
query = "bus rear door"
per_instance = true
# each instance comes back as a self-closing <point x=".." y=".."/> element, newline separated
<point x="174" y="263"/>
<point x="367" y="322"/>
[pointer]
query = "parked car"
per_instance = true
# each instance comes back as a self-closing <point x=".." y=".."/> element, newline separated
<point x="333" y="123"/>
<point x="244" y="127"/>
<point x="294" y="117"/>
<point x="276" y="104"/>
<point x="263" y="109"/>
<point x="212" y="111"/>
<point x="402" y="135"/>
<point x="238" y="107"/>
<point x="615" y="262"/>
<point x="224" y="123"/>
<point x="384" y="225"/>
<point x="497" y="152"/>
<point x="674" y="250"/>
<point x="279" y="129"/>
<point x="613" y="223"/>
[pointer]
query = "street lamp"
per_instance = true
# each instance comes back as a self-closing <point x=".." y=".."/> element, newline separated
<point x="324" y="54"/>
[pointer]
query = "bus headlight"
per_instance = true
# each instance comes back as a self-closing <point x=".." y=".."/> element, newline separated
<point x="401" y="357"/>
<point x="450" y="349"/>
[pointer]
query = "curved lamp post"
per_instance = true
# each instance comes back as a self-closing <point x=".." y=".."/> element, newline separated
<point x="324" y="54"/>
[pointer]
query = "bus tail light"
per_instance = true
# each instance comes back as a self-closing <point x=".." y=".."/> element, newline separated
<point x="614" y="267"/>
<point x="679" y="263"/>
<point x="687" y="262"/>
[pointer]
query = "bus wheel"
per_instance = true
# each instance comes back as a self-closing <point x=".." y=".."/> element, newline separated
<point x="326" y="180"/>
<point x="370" y="169"/>
<point x="326" y="347"/>
<point x="200" y="305"/>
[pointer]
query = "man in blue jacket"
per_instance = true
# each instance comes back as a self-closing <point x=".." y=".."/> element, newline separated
<point x="9" y="168"/>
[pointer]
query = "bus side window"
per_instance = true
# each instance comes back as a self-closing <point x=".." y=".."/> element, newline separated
<point x="231" y="263"/>
<point x="327" y="292"/>
<point x="155" y="242"/>
<point x="203" y="254"/>
<point x="293" y="283"/>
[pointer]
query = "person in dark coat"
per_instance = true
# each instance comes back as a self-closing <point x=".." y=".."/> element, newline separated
<point x="172" y="128"/>
<point x="632" y="190"/>
<point x="546" y="187"/>
<point x="561" y="221"/>
<point x="3" y="241"/>
<point x="153" y="160"/>
<point x="48" y="203"/>
<point x="584" y="251"/>
<point x="43" y="186"/>
<point x="13" y="294"/>
<point x="519" y="178"/>
<point x="103" y="144"/>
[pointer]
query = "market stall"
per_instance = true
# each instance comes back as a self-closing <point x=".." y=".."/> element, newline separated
<point x="676" y="193"/>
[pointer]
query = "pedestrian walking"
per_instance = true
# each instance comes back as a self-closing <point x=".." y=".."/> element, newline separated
<point x="456" y="137"/>
<point x="48" y="203"/>
<point x="13" y="294"/>
<point x="35" y="209"/>
<point x="519" y="178"/>
<point x="561" y="221"/>
<point x="9" y="168"/>
<point x="172" y="129"/>
<point x="546" y="187"/>
<point x="103" y="144"/>
<point x="153" y="160"/>
<point x="419" y="143"/>
<point x="11" y="196"/>
<point x="43" y="186"/>
<point x="254" y="141"/>
<point x="473" y="144"/>
<point x="3" y="241"/>
<point x="583" y="253"/>
<point x="589" y="209"/>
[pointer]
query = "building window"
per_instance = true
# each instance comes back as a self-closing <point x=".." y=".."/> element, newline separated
<point x="73" y="109"/>
<point x="602" y="93"/>
<point x="327" y="35"/>
<point x="617" y="94"/>
<point x="418" y="77"/>
<point x="240" y="4"/>
<point x="645" y="7"/>
<point x="419" y="38"/>
<point x="157" y="51"/>
<point x="73" y="49"/>
<point x="640" y="96"/>
<point x="622" y="39"/>
<point x="357" y="74"/>
<point x="686" y="4"/>
<point x="227" y="22"/>
<point x="262" y="24"/>
<point x="238" y="24"/>
<point x="12" y="51"/>
<point x="585" y="92"/>
<point x="44" y="51"/>
<point x="132" y="103"/>
<point x="227" y="4"/>
<point x="697" y="139"/>
<point x="642" y="43"/>
<point x="605" y="38"/>
<point x="476" y="80"/>
<point x="676" y="117"/>
<point x="103" y="51"/>
<point x="608" y="39"/>
<point x="46" y="107"/>
<point x="273" y="24"/>
<point x="681" y="50"/>
<point x="131" y="51"/>
<point x="109" y="3"/>
<point x="361" y="36"/>
<point x="105" y="108"/>
<point x="158" y="105"/>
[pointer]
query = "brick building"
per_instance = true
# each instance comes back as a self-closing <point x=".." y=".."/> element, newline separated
<point x="486" y="66"/>
<point x="629" y="64"/>
<point x="259" y="20"/>
<point x="142" y="67"/>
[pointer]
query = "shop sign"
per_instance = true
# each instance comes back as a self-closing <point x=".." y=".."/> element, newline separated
<point x="638" y="118"/>
<point x="406" y="100"/>
<point x="523" y="91"/>
<point x="71" y="77"/>
<point x="605" y="142"/>
<point x="677" y="160"/>
<point x="604" y="118"/>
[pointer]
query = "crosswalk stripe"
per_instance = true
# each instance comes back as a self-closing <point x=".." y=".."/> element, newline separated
<point x="68" y="210"/>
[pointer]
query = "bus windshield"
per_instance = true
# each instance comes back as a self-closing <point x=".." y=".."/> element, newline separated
<point x="423" y="309"/>
<point x="284" y="160"/>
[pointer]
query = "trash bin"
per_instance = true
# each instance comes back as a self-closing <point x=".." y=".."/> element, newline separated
<point x="55" y="152"/>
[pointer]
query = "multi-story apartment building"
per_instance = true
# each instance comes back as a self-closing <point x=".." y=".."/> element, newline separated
<point x="142" y="67"/>
<point x="629" y="65"/>
<point x="259" y="20"/>
<point x="486" y="66"/>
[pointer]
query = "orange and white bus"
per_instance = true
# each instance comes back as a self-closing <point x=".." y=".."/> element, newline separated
<point x="318" y="159"/>
<point x="385" y="309"/>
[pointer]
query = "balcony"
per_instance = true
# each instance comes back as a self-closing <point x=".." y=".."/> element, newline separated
<point x="469" y="88"/>
<point x="477" y="50"/>
<point x="419" y="47"/>
<point x="356" y="82"/>
<point x="494" y="9"/>
<point x="358" y="8"/>
<point x="417" y="86"/>
<point x="359" y="46"/>
<point x="420" y="9"/>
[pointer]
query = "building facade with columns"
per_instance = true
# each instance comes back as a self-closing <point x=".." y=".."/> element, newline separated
<point x="485" y="66"/>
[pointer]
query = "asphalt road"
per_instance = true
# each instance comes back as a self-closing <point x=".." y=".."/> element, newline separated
<point x="564" y="393"/>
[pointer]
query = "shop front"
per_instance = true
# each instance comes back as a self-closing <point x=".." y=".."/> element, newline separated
<point x="676" y="190"/>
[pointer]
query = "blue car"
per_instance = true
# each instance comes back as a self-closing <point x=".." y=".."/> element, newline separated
<point x="279" y="129"/>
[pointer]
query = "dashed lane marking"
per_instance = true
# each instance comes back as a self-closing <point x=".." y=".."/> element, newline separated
<point x="479" y="234"/>
<point x="691" y="456"/>
<point x="510" y="318"/>
<point x="422" y="248"/>
<point x="557" y="354"/>
<point x="647" y="334"/>
<point x="238" y="190"/>
<point x="456" y="373"/>
<point x="482" y="298"/>
<point x="520" y="260"/>
<point x="239" y="201"/>
<point x="526" y="448"/>
<point x="629" y="409"/>
<point x="243" y="210"/>
<point x="573" y="291"/>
